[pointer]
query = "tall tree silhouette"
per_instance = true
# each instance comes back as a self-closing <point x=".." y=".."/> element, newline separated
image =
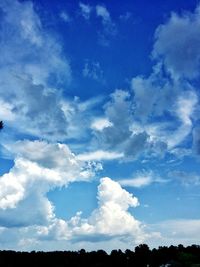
<point x="1" y="125"/>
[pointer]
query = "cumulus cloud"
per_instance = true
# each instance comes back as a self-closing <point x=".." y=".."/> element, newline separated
<point x="39" y="167"/>
<point x="117" y="130"/>
<point x="177" y="44"/>
<point x="111" y="218"/>
<point x="118" y="113"/>
<point x="121" y="131"/>
<point x="137" y="124"/>
<point x="158" y="115"/>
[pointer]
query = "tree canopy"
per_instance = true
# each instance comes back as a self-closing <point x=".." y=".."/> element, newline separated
<point x="143" y="256"/>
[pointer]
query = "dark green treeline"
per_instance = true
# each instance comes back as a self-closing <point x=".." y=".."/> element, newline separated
<point x="174" y="256"/>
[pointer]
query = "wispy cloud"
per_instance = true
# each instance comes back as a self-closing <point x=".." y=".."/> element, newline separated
<point x="185" y="178"/>
<point x="86" y="10"/>
<point x="65" y="16"/>
<point x="100" y="123"/>
<point x="100" y="155"/>
<point x="142" y="179"/>
<point x="93" y="71"/>
<point x="109" y="27"/>
<point x="30" y="56"/>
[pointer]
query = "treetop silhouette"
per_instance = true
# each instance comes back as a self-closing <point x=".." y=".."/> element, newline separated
<point x="1" y="125"/>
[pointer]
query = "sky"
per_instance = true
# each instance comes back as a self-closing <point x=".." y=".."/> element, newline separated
<point x="101" y="141"/>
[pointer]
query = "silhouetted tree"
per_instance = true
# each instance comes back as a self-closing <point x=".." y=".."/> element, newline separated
<point x="173" y="256"/>
<point x="1" y="125"/>
<point x="142" y="255"/>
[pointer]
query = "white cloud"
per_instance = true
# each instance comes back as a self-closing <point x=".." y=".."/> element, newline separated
<point x="33" y="66"/>
<point x="38" y="45"/>
<point x="85" y="10"/>
<point x="100" y="155"/>
<point x="39" y="167"/>
<point x="109" y="27"/>
<point x="58" y="230"/>
<point x="103" y="13"/>
<point x="178" y="44"/>
<point x="111" y="219"/>
<point x="93" y="71"/>
<point x="142" y="179"/>
<point x="100" y="123"/>
<point x="79" y="115"/>
<point x="133" y="129"/>
<point x="137" y="182"/>
<point x="156" y="95"/>
<point x="6" y="111"/>
<point x="186" y="104"/>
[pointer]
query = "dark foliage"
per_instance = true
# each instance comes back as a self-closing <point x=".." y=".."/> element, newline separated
<point x="1" y="125"/>
<point x="174" y="256"/>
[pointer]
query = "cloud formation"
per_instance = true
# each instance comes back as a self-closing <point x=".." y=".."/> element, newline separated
<point x="155" y="117"/>
<point x="158" y="114"/>
<point x="186" y="178"/>
<point x="85" y="10"/>
<point x="93" y="71"/>
<point x="177" y="44"/>
<point x="142" y="179"/>
<point x="100" y="155"/>
<point x="38" y="167"/>
<point x="111" y="219"/>
<point x="32" y="64"/>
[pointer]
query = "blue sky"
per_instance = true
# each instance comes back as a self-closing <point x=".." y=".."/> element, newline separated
<point x="101" y="144"/>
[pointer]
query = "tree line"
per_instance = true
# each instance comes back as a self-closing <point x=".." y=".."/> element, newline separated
<point x="142" y="256"/>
